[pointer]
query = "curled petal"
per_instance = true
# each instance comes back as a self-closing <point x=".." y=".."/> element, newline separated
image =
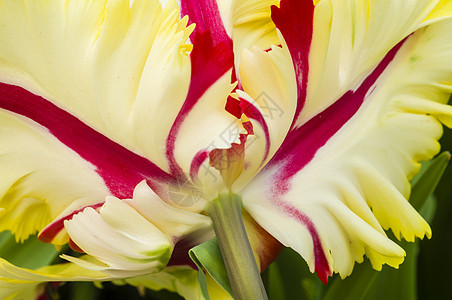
<point x="174" y="222"/>
<point x="270" y="102"/>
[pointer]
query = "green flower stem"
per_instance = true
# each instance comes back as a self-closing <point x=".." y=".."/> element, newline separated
<point x="243" y="273"/>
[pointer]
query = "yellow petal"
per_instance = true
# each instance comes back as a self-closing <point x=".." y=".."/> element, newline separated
<point x="252" y="26"/>
<point x="19" y="283"/>
<point x="441" y="11"/>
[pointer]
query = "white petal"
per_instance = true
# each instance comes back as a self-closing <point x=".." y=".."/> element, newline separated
<point x="172" y="221"/>
<point x="268" y="79"/>
<point x="119" y="237"/>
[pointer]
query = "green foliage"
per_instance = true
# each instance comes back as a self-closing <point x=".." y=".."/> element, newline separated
<point x="31" y="254"/>
<point x="207" y="257"/>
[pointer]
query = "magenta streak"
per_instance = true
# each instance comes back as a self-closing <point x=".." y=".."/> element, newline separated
<point x="301" y="144"/>
<point x="51" y="231"/>
<point x="206" y="15"/>
<point x="233" y="107"/>
<point x="196" y="163"/>
<point x="321" y="263"/>
<point x="208" y="63"/>
<point x="253" y="113"/>
<point x="295" y="19"/>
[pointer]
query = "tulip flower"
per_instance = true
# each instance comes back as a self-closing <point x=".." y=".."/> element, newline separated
<point x="128" y="128"/>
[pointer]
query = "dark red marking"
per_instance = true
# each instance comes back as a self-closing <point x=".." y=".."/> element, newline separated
<point x="322" y="267"/>
<point x="51" y="230"/>
<point x="206" y="15"/>
<point x="253" y="113"/>
<point x="196" y="163"/>
<point x="233" y="107"/>
<point x="302" y="143"/>
<point x="294" y="18"/>
<point x="209" y="62"/>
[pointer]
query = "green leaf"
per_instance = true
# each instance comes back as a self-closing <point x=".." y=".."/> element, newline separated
<point x="31" y="254"/>
<point x="293" y="278"/>
<point x="354" y="287"/>
<point x="274" y="283"/>
<point x="84" y="291"/>
<point x="428" y="178"/>
<point x="207" y="256"/>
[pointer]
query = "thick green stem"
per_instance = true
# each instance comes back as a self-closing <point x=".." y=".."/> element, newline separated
<point x="243" y="273"/>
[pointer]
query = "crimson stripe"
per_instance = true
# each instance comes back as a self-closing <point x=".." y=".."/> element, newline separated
<point x="197" y="162"/>
<point x="253" y="113"/>
<point x="206" y="15"/>
<point x="209" y="62"/>
<point x="302" y="143"/>
<point x="322" y="267"/>
<point x="120" y="168"/>
<point x="294" y="18"/>
<point x="52" y="230"/>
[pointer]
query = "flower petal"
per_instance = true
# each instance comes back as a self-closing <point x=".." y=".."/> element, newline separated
<point x="441" y="11"/>
<point x="99" y="79"/>
<point x="252" y="26"/>
<point x="333" y="209"/>
<point x="95" y="61"/>
<point x="20" y="283"/>
<point x="174" y="222"/>
<point x="349" y="38"/>
<point x="270" y="102"/>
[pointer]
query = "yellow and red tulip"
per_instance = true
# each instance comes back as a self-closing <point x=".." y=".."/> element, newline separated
<point x="116" y="132"/>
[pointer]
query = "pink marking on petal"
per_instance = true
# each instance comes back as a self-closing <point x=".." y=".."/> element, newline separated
<point x="206" y="15"/>
<point x="196" y="163"/>
<point x="75" y="247"/>
<point x="52" y="230"/>
<point x="301" y="144"/>
<point x="253" y="113"/>
<point x="233" y="107"/>
<point x="120" y="168"/>
<point x="209" y="62"/>
<point x="294" y="18"/>
<point x="322" y="267"/>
